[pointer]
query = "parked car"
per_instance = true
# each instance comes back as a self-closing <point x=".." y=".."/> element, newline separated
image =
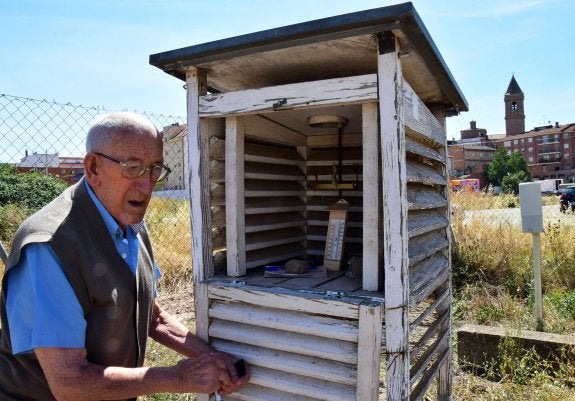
<point x="567" y="199"/>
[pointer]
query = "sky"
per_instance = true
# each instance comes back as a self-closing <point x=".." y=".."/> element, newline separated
<point x="95" y="53"/>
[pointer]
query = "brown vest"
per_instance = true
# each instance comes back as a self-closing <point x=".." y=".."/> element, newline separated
<point x="117" y="307"/>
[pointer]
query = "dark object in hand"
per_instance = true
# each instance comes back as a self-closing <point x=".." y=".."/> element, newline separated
<point x="240" y="366"/>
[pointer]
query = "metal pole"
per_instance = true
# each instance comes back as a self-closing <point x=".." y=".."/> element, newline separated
<point x="537" y="280"/>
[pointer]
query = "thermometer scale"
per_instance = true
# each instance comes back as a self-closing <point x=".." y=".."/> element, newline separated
<point x="335" y="235"/>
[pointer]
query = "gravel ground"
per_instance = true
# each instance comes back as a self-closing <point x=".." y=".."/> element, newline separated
<point x="551" y="215"/>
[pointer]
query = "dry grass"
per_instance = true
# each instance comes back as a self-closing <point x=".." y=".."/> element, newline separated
<point x="493" y="273"/>
<point x="493" y="285"/>
<point x="168" y="222"/>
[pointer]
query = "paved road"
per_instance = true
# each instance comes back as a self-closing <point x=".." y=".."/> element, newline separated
<point x="551" y="214"/>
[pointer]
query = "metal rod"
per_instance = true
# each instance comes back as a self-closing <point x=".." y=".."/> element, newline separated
<point x="537" y="279"/>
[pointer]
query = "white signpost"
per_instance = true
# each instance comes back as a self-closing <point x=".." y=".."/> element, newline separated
<point x="532" y="222"/>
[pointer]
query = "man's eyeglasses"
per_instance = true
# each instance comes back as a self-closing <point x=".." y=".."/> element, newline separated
<point x="134" y="169"/>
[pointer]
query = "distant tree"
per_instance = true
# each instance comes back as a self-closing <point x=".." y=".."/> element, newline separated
<point x="508" y="171"/>
<point x="497" y="168"/>
<point x="510" y="183"/>
<point x="29" y="190"/>
<point x="21" y="194"/>
<point x="518" y="163"/>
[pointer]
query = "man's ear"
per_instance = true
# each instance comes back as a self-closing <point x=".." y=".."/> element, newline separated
<point x="92" y="169"/>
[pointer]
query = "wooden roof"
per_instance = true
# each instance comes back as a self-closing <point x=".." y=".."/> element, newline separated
<point x="340" y="46"/>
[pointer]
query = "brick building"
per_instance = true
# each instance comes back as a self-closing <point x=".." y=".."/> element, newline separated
<point x="548" y="150"/>
<point x="470" y="161"/>
<point x="69" y="169"/>
<point x="469" y="156"/>
<point x="514" y="110"/>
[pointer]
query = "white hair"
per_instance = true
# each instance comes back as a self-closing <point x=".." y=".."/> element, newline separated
<point x="109" y="129"/>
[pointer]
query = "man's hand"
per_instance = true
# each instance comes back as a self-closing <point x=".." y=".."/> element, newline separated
<point x="211" y="372"/>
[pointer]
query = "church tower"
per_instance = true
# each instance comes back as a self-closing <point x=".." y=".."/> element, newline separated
<point x="514" y="112"/>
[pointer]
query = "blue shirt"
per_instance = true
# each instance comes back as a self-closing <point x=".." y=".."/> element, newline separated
<point x="42" y="308"/>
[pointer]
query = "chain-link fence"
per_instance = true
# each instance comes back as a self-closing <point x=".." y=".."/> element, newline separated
<point x="49" y="137"/>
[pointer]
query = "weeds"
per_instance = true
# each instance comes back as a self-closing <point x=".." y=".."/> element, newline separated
<point x="493" y="285"/>
<point x="168" y="222"/>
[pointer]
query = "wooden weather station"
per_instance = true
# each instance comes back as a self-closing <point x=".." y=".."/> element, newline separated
<point x="323" y="142"/>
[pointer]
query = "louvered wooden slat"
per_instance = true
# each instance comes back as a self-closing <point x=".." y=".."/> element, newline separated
<point x="414" y="147"/>
<point x="316" y="325"/>
<point x="301" y="344"/>
<point x="262" y="257"/>
<point x="292" y="363"/>
<point x="422" y="246"/>
<point x="426" y="276"/>
<point x="274" y="221"/>
<point x="422" y="174"/>
<point x="272" y="238"/>
<point x="424" y="221"/>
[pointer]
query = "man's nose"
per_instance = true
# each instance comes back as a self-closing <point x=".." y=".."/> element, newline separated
<point x="145" y="182"/>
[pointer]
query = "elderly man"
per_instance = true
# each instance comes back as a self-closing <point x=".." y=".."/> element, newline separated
<point x="78" y="293"/>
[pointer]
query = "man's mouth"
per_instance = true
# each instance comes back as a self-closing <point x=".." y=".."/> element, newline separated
<point x="137" y="203"/>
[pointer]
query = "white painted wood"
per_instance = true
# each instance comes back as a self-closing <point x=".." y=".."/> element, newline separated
<point x="304" y="323"/>
<point x="423" y="121"/>
<point x="274" y="238"/>
<point x="424" y="198"/>
<point x="442" y="297"/>
<point x="217" y="148"/>
<point x="423" y="342"/>
<point x="201" y="306"/>
<point x="266" y="256"/>
<point x="349" y="90"/>
<point x="369" y="352"/>
<point x="423" y="246"/>
<point x="412" y="145"/>
<point x="418" y="391"/>
<point x="348" y="240"/>
<point x="423" y="221"/>
<point x="372" y="276"/>
<point x="259" y="128"/>
<point x="311" y="303"/>
<point x="328" y="141"/>
<point x="259" y="223"/>
<point x="252" y="392"/>
<point x="394" y="225"/>
<point x="198" y="185"/>
<point x="317" y="207"/>
<point x="282" y="176"/>
<point x="273" y="205"/>
<point x="426" y="277"/>
<point x="235" y="200"/>
<point x="302" y="385"/>
<point x="301" y="344"/>
<point x="445" y="376"/>
<point x="264" y="193"/>
<point x="274" y="160"/>
<point x="424" y="174"/>
<point x="291" y="363"/>
<point x="424" y="361"/>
